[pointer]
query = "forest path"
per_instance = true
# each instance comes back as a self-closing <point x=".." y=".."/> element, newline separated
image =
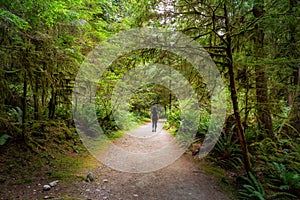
<point x="182" y="179"/>
<point x="178" y="178"/>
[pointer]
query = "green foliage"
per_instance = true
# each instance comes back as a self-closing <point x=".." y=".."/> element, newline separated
<point x="205" y="118"/>
<point x="13" y="20"/>
<point x="227" y="152"/>
<point x="190" y="122"/>
<point x="126" y="120"/>
<point x="43" y="43"/>
<point x="16" y="113"/>
<point x="85" y="121"/>
<point x="8" y="127"/>
<point x="281" y="149"/>
<point x="115" y="134"/>
<point x="253" y="189"/>
<point x="42" y="46"/>
<point x="284" y="179"/>
<point x="281" y="173"/>
<point x="4" y="138"/>
<point x="63" y="112"/>
<point x="253" y="134"/>
<point x="173" y="119"/>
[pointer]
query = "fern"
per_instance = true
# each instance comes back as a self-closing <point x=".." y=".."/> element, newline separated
<point x="287" y="180"/>
<point x="228" y="152"/>
<point x="253" y="189"/>
<point x="281" y="194"/>
<point x="13" y="20"/>
<point x="16" y="113"/>
<point x="4" y="138"/>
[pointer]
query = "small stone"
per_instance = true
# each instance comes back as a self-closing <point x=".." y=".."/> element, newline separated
<point x="53" y="183"/>
<point x="90" y="177"/>
<point x="97" y="190"/>
<point x="105" y="198"/>
<point x="105" y="180"/>
<point x="46" y="197"/>
<point x="46" y="187"/>
<point x="87" y="190"/>
<point x="135" y="195"/>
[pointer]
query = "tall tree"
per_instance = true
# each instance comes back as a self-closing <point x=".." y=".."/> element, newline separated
<point x="42" y="44"/>
<point x="263" y="110"/>
<point x="215" y="26"/>
<point x="293" y="54"/>
<point x="233" y="92"/>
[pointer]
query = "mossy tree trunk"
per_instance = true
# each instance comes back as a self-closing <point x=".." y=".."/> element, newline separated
<point x="263" y="109"/>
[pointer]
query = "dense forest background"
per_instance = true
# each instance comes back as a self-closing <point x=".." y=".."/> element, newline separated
<point x="255" y="45"/>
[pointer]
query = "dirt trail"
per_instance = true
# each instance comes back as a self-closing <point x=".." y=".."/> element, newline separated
<point x="182" y="180"/>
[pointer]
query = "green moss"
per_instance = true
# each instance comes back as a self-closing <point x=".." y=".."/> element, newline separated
<point x="115" y="135"/>
<point x="212" y="169"/>
<point x="23" y="181"/>
<point x="62" y="175"/>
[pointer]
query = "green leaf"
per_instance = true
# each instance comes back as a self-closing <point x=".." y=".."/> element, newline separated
<point x="4" y="138"/>
<point x="12" y="19"/>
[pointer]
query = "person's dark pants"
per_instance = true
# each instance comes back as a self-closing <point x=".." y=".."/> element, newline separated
<point x="154" y="124"/>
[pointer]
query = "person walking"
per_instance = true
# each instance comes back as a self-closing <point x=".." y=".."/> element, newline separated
<point x="154" y="118"/>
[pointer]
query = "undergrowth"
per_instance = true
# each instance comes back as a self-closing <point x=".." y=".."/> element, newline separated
<point x="276" y="164"/>
<point x="51" y="150"/>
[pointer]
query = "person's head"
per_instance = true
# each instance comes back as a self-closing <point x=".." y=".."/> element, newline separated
<point x="154" y="108"/>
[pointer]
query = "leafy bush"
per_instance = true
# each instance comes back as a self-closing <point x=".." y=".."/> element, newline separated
<point x="64" y="112"/>
<point x="173" y="119"/>
<point x="204" y="123"/>
<point x="85" y="121"/>
<point x="126" y="120"/>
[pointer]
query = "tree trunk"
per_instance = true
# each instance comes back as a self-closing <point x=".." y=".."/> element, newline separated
<point x="241" y="134"/>
<point x="24" y="105"/>
<point x="295" y="112"/>
<point x="294" y="97"/>
<point x="36" y="100"/>
<point x="246" y="104"/>
<point x="52" y="103"/>
<point x="263" y="110"/>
